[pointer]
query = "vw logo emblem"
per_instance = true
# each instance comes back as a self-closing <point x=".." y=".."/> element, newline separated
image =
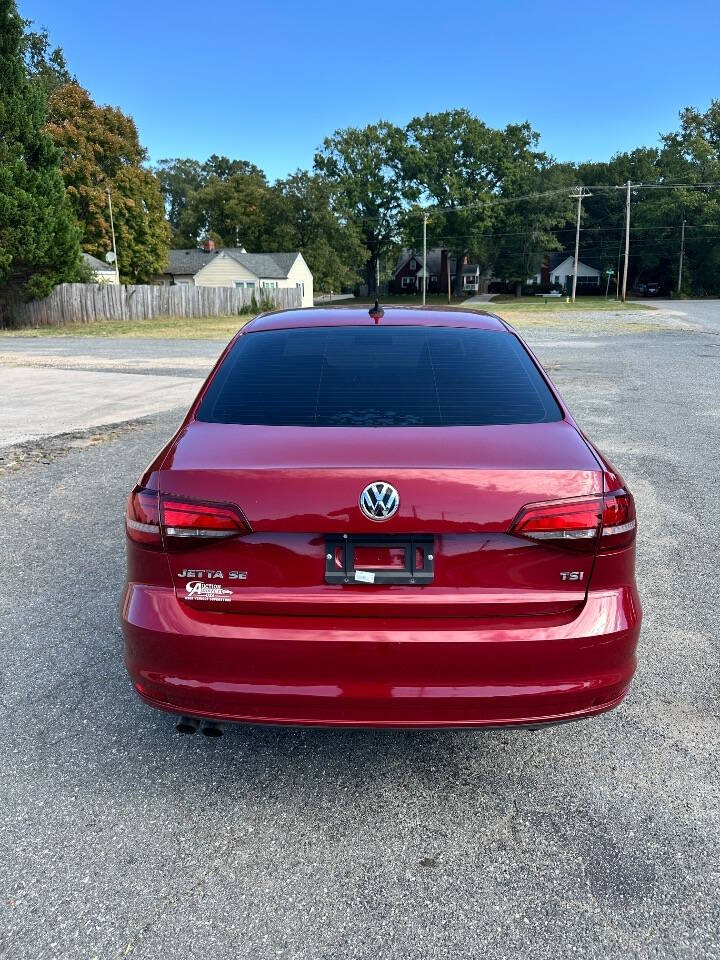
<point x="379" y="500"/>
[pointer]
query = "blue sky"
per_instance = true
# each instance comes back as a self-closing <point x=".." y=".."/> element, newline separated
<point x="266" y="81"/>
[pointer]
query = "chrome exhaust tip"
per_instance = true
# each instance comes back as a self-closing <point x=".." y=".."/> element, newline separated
<point x="187" y="725"/>
<point x="210" y="729"/>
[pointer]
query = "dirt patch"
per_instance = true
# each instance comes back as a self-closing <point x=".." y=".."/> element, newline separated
<point x="594" y="321"/>
<point x="47" y="449"/>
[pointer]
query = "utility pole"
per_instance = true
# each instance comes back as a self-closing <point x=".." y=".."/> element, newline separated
<point x="377" y="277"/>
<point x="425" y="269"/>
<point x="580" y="193"/>
<point x="112" y="228"/>
<point x="682" y="252"/>
<point x="448" y="276"/>
<point x="627" y="240"/>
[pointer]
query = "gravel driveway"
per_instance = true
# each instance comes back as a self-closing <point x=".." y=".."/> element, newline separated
<point x="597" y="839"/>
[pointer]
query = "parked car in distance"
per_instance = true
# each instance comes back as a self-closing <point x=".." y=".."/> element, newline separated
<point x="378" y="519"/>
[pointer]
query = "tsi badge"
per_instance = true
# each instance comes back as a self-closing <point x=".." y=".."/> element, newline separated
<point x="572" y="575"/>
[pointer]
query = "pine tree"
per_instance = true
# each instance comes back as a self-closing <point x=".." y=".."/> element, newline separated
<point x="39" y="237"/>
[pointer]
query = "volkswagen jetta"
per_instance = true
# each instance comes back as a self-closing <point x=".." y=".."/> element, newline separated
<point x="380" y="519"/>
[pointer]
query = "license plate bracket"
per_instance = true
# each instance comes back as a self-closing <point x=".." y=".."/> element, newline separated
<point x="399" y="560"/>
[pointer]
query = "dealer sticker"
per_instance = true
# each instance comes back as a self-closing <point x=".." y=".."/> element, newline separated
<point x="364" y="576"/>
<point x="197" y="590"/>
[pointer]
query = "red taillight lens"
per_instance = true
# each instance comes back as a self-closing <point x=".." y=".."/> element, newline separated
<point x="209" y="520"/>
<point x="572" y="523"/>
<point x="148" y="515"/>
<point x="578" y="524"/>
<point x="618" y="521"/>
<point x="142" y="520"/>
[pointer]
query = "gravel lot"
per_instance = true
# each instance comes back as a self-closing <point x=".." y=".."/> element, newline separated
<point x="597" y="839"/>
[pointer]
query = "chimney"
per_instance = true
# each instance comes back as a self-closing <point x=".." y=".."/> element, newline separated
<point x="208" y="244"/>
<point x="443" y="271"/>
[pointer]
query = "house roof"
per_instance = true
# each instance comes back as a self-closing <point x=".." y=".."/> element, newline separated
<point x="557" y="257"/>
<point x="271" y="266"/>
<point x="434" y="258"/>
<point x="98" y="266"/>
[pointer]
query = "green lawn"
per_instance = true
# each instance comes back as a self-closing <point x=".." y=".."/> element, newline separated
<point x="507" y="303"/>
<point x="183" y="328"/>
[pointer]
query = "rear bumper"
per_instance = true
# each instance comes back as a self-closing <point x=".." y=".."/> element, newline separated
<point x="362" y="672"/>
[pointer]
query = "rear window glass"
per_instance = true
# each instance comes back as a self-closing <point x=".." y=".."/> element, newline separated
<point x="378" y="377"/>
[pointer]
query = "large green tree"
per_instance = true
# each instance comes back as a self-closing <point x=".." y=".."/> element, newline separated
<point x="102" y="152"/>
<point x="232" y="207"/>
<point x="190" y="211"/>
<point x="306" y="218"/>
<point x="364" y="168"/>
<point x="463" y="170"/>
<point x="38" y="233"/>
<point x="525" y="227"/>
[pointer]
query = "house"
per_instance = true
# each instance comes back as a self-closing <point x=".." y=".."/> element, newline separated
<point x="557" y="270"/>
<point x="235" y="267"/>
<point x="102" y="272"/>
<point x="409" y="274"/>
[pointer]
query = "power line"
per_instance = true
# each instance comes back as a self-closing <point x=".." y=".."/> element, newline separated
<point x="500" y="201"/>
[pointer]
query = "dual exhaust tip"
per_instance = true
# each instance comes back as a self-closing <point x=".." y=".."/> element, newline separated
<point x="208" y="728"/>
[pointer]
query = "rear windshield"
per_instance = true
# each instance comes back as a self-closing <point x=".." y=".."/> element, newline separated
<point x="378" y="377"/>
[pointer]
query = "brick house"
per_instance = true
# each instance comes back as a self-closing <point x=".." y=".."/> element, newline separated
<point x="409" y="273"/>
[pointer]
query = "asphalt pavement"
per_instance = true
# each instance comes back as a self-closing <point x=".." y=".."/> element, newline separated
<point x="118" y="837"/>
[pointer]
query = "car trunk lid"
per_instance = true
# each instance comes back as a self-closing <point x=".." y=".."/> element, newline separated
<point x="459" y="490"/>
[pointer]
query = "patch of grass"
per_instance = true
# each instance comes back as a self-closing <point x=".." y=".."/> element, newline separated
<point x="507" y="303"/>
<point x="166" y="328"/>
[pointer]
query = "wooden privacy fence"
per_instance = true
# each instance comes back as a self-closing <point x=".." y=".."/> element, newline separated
<point x="86" y="302"/>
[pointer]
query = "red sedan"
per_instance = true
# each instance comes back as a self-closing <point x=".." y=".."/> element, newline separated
<point x="375" y="519"/>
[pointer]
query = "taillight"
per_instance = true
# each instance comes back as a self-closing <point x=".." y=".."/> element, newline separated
<point x="149" y="515"/>
<point x="572" y="523"/>
<point x="209" y="520"/>
<point x="579" y="524"/>
<point x="142" y="519"/>
<point x="618" y="520"/>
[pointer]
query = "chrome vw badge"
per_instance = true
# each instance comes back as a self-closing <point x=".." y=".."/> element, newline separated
<point x="379" y="500"/>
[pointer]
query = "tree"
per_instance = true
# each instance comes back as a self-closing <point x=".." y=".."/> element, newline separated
<point x="232" y="210"/>
<point x="101" y="152"/>
<point x="306" y="219"/>
<point x="527" y="229"/>
<point x="45" y="65"/>
<point x="181" y="178"/>
<point x="178" y="178"/>
<point x="364" y="168"/>
<point x="462" y="168"/>
<point x="38" y="233"/>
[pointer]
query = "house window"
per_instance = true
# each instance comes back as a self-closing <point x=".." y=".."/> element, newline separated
<point x="413" y="265"/>
<point x="557" y="278"/>
<point x="269" y="284"/>
<point x="182" y="283"/>
<point x="244" y="284"/>
<point x="408" y="281"/>
<point x="433" y="278"/>
<point x="301" y="288"/>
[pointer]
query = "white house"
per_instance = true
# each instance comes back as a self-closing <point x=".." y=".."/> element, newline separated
<point x="558" y="270"/>
<point x="235" y="267"/>
<point x="102" y="272"/>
